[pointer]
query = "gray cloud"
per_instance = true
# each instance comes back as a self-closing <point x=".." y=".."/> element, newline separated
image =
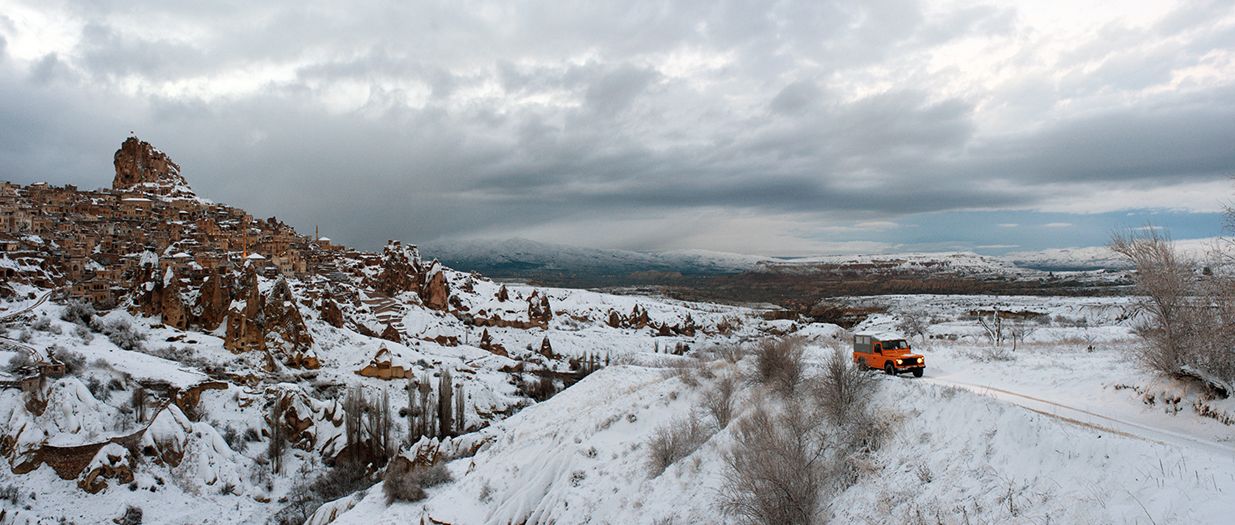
<point x="614" y="121"/>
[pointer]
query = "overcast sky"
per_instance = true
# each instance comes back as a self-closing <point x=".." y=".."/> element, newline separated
<point x="779" y="128"/>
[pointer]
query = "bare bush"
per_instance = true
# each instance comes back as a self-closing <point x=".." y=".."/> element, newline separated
<point x="778" y="364"/>
<point x="675" y="441"/>
<point x="122" y="334"/>
<point x="74" y="362"/>
<point x="914" y="323"/>
<point x="777" y="467"/>
<point x="843" y="389"/>
<point x="405" y="482"/>
<point x="18" y="361"/>
<point x="78" y="312"/>
<point x="1189" y="320"/>
<point x="719" y="401"/>
<point x="132" y="516"/>
<point x="44" y="324"/>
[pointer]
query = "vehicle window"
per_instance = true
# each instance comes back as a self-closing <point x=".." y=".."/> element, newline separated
<point x="897" y="344"/>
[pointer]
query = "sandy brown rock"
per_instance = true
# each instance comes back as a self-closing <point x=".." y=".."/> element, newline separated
<point x="435" y="292"/>
<point x="142" y="167"/>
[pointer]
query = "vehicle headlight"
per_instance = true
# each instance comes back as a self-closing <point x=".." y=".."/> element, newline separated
<point x="898" y="361"/>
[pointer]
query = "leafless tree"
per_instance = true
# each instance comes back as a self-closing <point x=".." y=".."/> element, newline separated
<point x="1189" y="319"/>
<point x="914" y="323"/>
<point x="992" y="327"/>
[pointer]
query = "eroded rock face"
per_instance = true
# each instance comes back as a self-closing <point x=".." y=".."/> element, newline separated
<point x="401" y="269"/>
<point x="286" y="333"/>
<point x="245" y="330"/>
<point x="390" y="333"/>
<point x="434" y="291"/>
<point x="269" y="323"/>
<point x="142" y="167"/>
<point x="213" y="301"/>
<point x="331" y="313"/>
<point x="538" y="309"/>
<point x="488" y="344"/>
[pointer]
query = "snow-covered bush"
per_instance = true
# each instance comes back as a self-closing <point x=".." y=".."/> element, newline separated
<point x="675" y="441"/>
<point x="84" y="333"/>
<point x="778" y="364"/>
<point x="122" y="334"/>
<point x="719" y="401"/>
<point x="843" y="389"/>
<point x="43" y="324"/>
<point x="19" y="360"/>
<point x="403" y="482"/>
<point x="776" y="470"/>
<point x="132" y="516"/>
<point x="78" y="312"/>
<point x="74" y="362"/>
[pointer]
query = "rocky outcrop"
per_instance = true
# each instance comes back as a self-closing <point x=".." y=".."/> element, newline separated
<point x="382" y="367"/>
<point x="434" y="290"/>
<point x="390" y="333"/>
<point x="286" y="333"/>
<point x="272" y="323"/>
<point x="331" y="313"/>
<point x="174" y="313"/>
<point x="142" y="167"/>
<point x="539" y="311"/>
<point x="245" y="325"/>
<point x="401" y="270"/>
<point x="489" y="345"/>
<point x="112" y="462"/>
<point x="546" y="349"/>
<point x="159" y="295"/>
<point x="502" y="294"/>
<point x="212" y="302"/>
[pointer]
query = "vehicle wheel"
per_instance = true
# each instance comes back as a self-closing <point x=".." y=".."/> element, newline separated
<point x="917" y="372"/>
<point x="887" y="367"/>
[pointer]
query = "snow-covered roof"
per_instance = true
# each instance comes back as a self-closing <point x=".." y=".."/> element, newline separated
<point x="323" y="239"/>
<point x="255" y="257"/>
<point x="881" y="335"/>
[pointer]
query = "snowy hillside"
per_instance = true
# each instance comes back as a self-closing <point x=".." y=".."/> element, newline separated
<point x="1048" y="434"/>
<point x="1101" y="257"/>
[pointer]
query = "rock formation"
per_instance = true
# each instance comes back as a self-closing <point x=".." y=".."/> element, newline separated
<point x="401" y="270"/>
<point x="269" y="323"/>
<point x="538" y="309"/>
<point x="331" y="313"/>
<point x="434" y="291"/>
<point x="142" y="167"/>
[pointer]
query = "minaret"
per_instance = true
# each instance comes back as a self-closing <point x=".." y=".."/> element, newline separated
<point x="245" y="224"/>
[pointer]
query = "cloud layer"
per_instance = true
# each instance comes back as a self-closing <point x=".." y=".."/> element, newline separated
<point x="776" y="128"/>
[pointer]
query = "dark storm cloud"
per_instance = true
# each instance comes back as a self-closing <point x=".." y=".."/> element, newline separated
<point x="421" y="121"/>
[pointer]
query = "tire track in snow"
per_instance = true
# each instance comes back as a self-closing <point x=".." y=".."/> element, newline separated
<point x="1092" y="420"/>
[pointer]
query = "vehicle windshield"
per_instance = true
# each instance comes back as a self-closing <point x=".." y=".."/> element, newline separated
<point x="895" y="344"/>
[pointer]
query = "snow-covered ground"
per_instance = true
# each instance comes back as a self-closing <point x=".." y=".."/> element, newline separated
<point x="1064" y="429"/>
<point x="1048" y="433"/>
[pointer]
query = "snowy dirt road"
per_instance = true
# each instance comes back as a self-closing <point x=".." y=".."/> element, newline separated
<point x="1089" y="419"/>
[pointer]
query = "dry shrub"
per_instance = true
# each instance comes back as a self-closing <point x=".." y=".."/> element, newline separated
<point x="1189" y="320"/>
<point x="843" y="389"/>
<point x="405" y="482"/>
<point x="778" y="364"/>
<point x="719" y="401"/>
<point x="675" y="441"/>
<point x="777" y="469"/>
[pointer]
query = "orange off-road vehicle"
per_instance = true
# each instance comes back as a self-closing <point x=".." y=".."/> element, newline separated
<point x="888" y="352"/>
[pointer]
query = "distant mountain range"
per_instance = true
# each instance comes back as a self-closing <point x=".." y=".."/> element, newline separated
<point x="523" y="258"/>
